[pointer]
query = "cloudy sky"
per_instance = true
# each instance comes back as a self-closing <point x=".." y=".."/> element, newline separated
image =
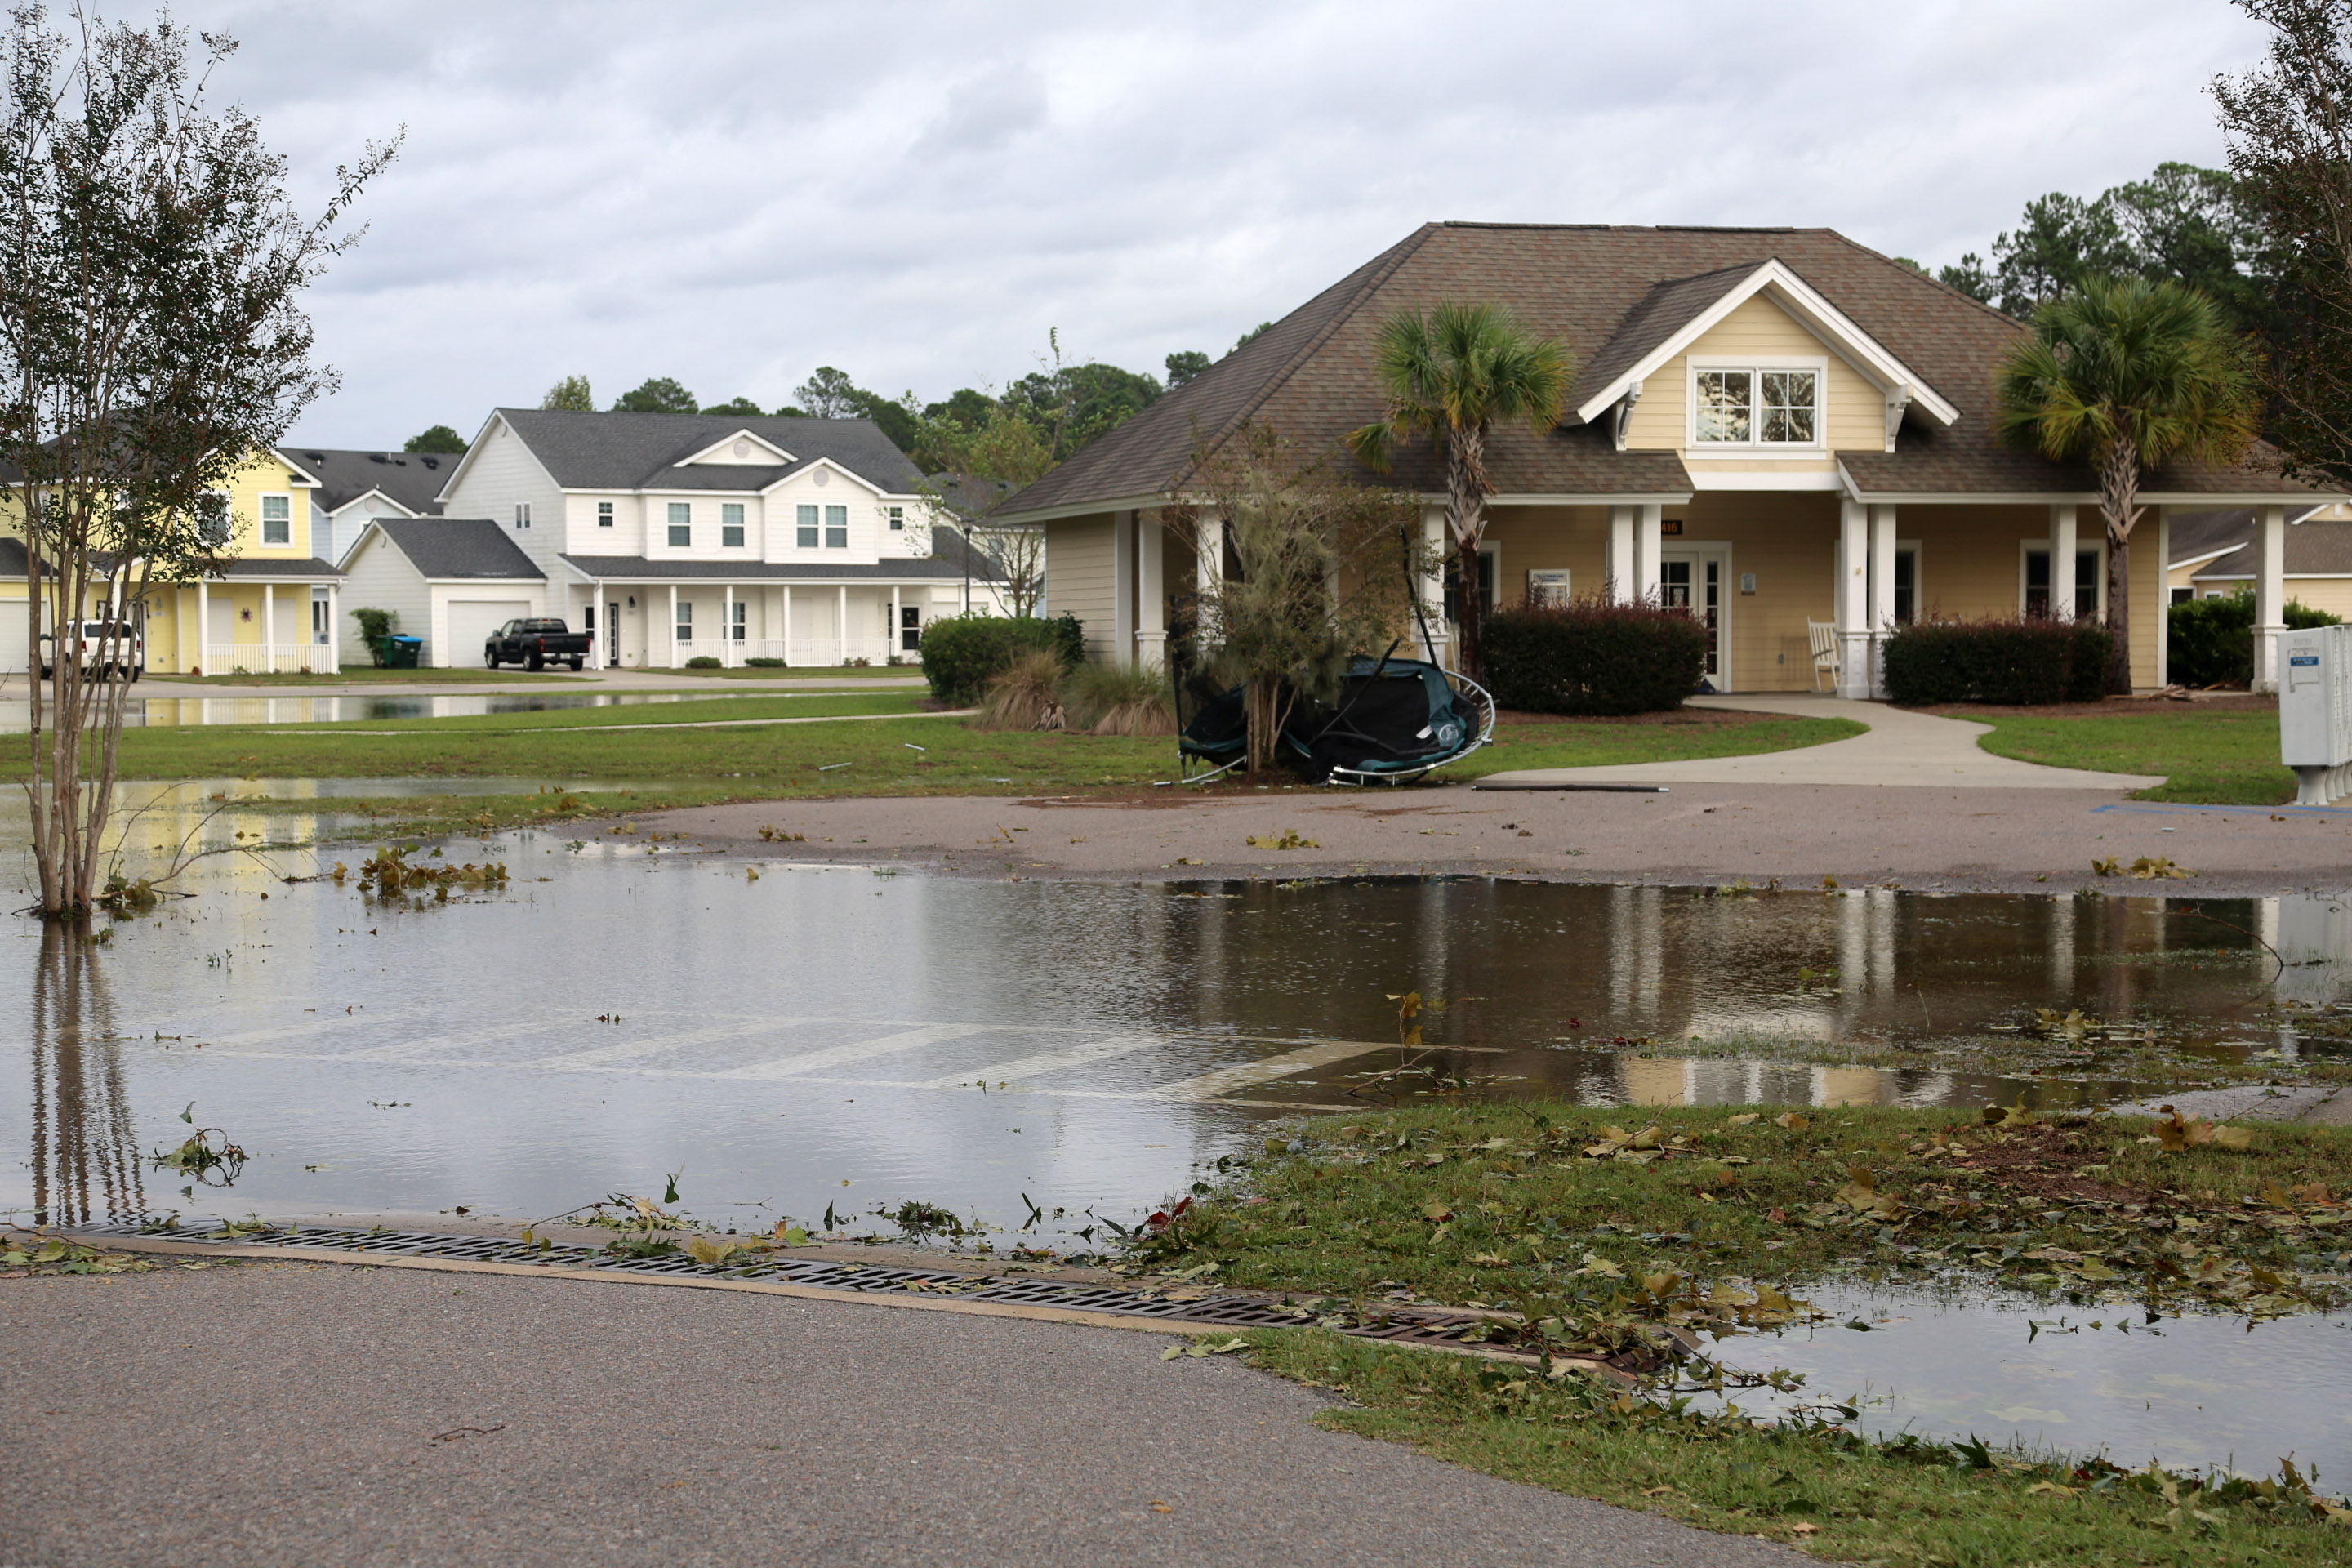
<point x="734" y="194"/>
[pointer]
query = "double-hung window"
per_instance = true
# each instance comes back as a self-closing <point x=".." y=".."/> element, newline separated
<point x="685" y="620"/>
<point x="681" y="524"/>
<point x="742" y="622"/>
<point x="897" y="519"/>
<point x="1755" y="406"/>
<point x="276" y="519"/>
<point x="522" y="514"/>
<point x="730" y="524"/>
<point x="603" y="514"/>
<point x="805" y="526"/>
<point x="837" y="528"/>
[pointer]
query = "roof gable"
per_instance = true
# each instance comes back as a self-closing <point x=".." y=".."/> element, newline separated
<point x="744" y="447"/>
<point x="445" y="549"/>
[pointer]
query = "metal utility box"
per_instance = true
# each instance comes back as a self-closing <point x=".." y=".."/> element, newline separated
<point x="2316" y="712"/>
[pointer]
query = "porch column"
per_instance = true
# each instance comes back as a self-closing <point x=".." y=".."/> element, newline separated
<point x="669" y="633"/>
<point x="1852" y="600"/>
<point x="1208" y="572"/>
<point x="2270" y="598"/>
<point x="1648" y="545"/>
<point x="1122" y="589"/>
<point x="726" y="626"/>
<point x="334" y="628"/>
<point x="788" y="625"/>
<point x="892" y="649"/>
<point x="1435" y="539"/>
<point x="841" y="624"/>
<point x="1881" y="593"/>
<point x="2064" y="545"/>
<point x="1620" y="559"/>
<point x="2164" y="597"/>
<point x="269" y="628"/>
<point x="1150" y="592"/>
<point x="203" y="625"/>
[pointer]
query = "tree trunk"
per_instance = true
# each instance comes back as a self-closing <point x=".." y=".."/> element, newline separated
<point x="1466" y="524"/>
<point x="2119" y="505"/>
<point x="1263" y="702"/>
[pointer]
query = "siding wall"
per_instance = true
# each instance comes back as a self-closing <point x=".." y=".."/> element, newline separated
<point x="501" y="472"/>
<point x="378" y="577"/>
<point x="1854" y="413"/>
<point x="1078" y="576"/>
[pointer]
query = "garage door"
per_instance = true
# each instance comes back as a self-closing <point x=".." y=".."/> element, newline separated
<point x="471" y="622"/>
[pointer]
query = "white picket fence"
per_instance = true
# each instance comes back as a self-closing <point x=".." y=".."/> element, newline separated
<point x="268" y="658"/>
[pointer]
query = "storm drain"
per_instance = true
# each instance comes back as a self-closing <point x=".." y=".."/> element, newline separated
<point x="1435" y="1329"/>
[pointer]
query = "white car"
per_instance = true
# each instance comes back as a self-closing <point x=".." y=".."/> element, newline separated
<point x="122" y="646"/>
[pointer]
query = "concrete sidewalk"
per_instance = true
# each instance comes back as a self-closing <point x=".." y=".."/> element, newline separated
<point x="1903" y="748"/>
<point x="321" y="1415"/>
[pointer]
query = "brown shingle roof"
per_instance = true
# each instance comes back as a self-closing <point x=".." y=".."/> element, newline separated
<point x="2320" y="547"/>
<point x="1600" y="291"/>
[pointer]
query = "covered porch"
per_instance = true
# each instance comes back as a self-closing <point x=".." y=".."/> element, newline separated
<point x="662" y="622"/>
<point x="258" y="617"/>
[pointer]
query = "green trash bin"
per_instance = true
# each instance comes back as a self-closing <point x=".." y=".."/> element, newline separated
<point x="401" y="653"/>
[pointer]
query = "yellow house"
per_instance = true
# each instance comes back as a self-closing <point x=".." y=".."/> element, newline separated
<point x="271" y="609"/>
<point x="1785" y="434"/>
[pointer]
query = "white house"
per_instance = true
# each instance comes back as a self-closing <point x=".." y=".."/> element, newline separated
<point x="677" y="536"/>
<point x="356" y="485"/>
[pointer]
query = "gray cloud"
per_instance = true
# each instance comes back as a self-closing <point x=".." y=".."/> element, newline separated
<point x="734" y="194"/>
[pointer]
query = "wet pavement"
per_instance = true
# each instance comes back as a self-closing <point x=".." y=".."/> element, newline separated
<point x="266" y="707"/>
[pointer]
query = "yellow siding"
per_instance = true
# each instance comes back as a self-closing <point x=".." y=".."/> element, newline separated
<point x="2333" y="595"/>
<point x="1855" y="412"/>
<point x="1078" y="576"/>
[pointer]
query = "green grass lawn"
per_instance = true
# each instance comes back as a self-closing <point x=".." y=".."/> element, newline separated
<point x="2209" y="757"/>
<point x="1563" y="1214"/>
<point x="806" y="671"/>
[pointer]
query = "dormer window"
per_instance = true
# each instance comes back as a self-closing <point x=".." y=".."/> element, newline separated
<point x="1755" y="406"/>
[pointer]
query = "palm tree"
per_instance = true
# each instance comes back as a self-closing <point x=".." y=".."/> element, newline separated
<point x="1449" y="375"/>
<point x="2126" y="374"/>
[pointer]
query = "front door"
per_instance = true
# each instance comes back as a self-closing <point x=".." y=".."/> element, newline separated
<point x="1692" y="581"/>
<point x="612" y="637"/>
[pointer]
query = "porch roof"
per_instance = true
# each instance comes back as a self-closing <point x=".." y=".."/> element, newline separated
<point x="309" y="569"/>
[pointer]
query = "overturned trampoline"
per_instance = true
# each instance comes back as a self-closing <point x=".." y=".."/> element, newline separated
<point x="1391" y="722"/>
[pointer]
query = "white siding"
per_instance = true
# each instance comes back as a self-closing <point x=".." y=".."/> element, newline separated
<point x="379" y="577"/>
<point x="500" y="472"/>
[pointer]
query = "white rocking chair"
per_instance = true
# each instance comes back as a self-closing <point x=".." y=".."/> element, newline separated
<point x="1827" y="658"/>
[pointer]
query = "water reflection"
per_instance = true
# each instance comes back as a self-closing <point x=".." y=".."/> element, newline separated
<point x="2196" y="1392"/>
<point x="84" y="1164"/>
<point x="968" y="1042"/>
<point x="159" y="712"/>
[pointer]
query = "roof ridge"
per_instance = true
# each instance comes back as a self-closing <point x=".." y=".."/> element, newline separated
<point x="1854" y="244"/>
<point x="1398" y="254"/>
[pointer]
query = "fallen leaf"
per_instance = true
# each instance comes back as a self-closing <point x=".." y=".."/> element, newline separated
<point x="1158" y="1507"/>
<point x="1655" y="1491"/>
<point x="1793" y="1121"/>
<point x="1802" y="1529"/>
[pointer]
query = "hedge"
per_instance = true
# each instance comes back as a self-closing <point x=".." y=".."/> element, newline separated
<point x="2211" y="641"/>
<point x="2017" y="663"/>
<point x="961" y="653"/>
<point x="1590" y="657"/>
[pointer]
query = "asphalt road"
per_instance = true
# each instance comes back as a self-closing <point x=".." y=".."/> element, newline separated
<point x="319" y="1414"/>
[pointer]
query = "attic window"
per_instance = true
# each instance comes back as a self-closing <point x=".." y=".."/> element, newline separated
<point x="1755" y="406"/>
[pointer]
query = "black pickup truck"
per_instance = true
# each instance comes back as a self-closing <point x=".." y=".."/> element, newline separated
<point x="535" y="643"/>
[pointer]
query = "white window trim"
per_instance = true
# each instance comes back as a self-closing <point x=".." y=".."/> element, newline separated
<point x="606" y="512"/>
<point x="2026" y="547"/>
<point x="828" y="508"/>
<point x="670" y="522"/>
<point x="817" y="522"/>
<point x="1668" y="545"/>
<point x="1918" y="577"/>
<point x="261" y="524"/>
<point x="1818" y="366"/>
<point x="741" y="525"/>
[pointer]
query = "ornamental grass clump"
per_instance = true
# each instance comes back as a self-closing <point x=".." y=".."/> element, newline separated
<point x="1116" y="699"/>
<point x="1027" y="695"/>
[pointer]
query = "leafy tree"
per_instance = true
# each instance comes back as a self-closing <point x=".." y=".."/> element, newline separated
<point x="2061" y="241"/>
<point x="1252" y="332"/>
<point x="967" y="406"/>
<point x="973" y="472"/>
<point x="2125" y="374"/>
<point x="151" y="343"/>
<point x="1449" y="375"/>
<point x="1183" y="365"/>
<point x="571" y="394"/>
<point x="658" y="396"/>
<point x="435" y="438"/>
<point x="829" y="393"/>
<point x="1321" y="577"/>
<point x="737" y="405"/>
<point x="2289" y="123"/>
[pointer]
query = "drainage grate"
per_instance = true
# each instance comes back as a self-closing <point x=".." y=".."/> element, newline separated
<point x="1458" y="1330"/>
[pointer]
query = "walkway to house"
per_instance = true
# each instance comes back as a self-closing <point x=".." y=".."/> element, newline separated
<point x="1902" y="748"/>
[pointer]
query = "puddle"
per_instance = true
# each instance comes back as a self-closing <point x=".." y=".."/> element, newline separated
<point x="155" y="712"/>
<point x="2209" y="1394"/>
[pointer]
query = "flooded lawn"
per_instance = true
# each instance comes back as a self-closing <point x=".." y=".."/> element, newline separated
<point x="157" y="712"/>
<point x="2202" y="1392"/>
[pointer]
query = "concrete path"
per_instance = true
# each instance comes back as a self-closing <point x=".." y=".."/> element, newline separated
<point x="1903" y="748"/>
<point x="2323" y="1105"/>
<point x="322" y="1414"/>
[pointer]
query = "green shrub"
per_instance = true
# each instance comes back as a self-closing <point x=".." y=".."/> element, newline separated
<point x="2016" y="663"/>
<point x="1591" y="657"/>
<point x="962" y="653"/>
<point x="375" y="626"/>
<point x="2211" y="642"/>
<point x="764" y="663"/>
<point x="702" y="661"/>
